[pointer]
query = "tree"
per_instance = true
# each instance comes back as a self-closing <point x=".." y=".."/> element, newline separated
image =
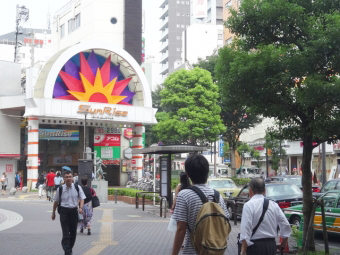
<point x="235" y="115"/>
<point x="192" y="114"/>
<point x="277" y="152"/>
<point x="242" y="149"/>
<point x="285" y="65"/>
<point x="150" y="136"/>
<point x="256" y="155"/>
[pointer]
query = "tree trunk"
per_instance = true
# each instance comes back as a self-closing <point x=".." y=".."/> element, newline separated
<point x="233" y="162"/>
<point x="307" y="188"/>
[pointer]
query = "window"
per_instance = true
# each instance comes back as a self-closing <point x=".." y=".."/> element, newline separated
<point x="187" y="2"/>
<point x="77" y="21"/>
<point x="178" y="14"/>
<point x="182" y="2"/>
<point x="178" y="37"/>
<point x="178" y="49"/>
<point x="70" y="27"/>
<point x="178" y="25"/>
<point x="220" y="37"/>
<point x="330" y="199"/>
<point x="182" y="26"/>
<point x="329" y="186"/>
<point x="182" y="13"/>
<point x="229" y="4"/>
<point x="229" y="41"/>
<point x="178" y="2"/>
<point x="62" y="30"/>
<point x="244" y="192"/>
<point x="187" y="14"/>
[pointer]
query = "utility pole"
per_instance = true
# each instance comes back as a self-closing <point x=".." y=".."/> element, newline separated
<point x="22" y="15"/>
<point x="323" y="163"/>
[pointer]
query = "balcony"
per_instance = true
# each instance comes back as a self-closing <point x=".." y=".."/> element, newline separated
<point x="164" y="12"/>
<point x="164" y="68"/>
<point x="164" y="46"/>
<point x="164" y="57"/>
<point x="164" y="23"/>
<point x="164" y="3"/>
<point x="164" y="34"/>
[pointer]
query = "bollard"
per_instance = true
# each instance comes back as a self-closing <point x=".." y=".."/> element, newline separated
<point x="160" y="207"/>
<point x="115" y="193"/>
<point x="165" y="206"/>
<point x="143" y="202"/>
<point x="137" y="201"/>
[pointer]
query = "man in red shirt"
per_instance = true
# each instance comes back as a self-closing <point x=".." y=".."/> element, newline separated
<point x="50" y="185"/>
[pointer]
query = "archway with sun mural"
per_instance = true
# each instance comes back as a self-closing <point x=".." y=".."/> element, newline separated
<point x="96" y="81"/>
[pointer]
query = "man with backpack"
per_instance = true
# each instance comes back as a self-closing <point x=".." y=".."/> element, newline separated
<point x="201" y="214"/>
<point x="260" y="219"/>
<point x="67" y="199"/>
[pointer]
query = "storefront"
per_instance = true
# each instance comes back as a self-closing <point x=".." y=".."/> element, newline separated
<point x="90" y="97"/>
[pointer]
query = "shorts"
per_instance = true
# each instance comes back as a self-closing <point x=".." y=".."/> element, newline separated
<point x="4" y="187"/>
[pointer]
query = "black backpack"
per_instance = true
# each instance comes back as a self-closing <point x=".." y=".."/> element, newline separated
<point x="60" y="190"/>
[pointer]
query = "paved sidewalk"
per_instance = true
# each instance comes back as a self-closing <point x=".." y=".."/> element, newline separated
<point x="118" y="229"/>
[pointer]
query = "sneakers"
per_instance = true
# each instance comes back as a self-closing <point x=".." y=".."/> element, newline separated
<point x="89" y="232"/>
<point x="81" y="230"/>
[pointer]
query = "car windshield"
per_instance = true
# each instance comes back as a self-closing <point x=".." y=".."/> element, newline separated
<point x="216" y="184"/>
<point x="296" y="181"/>
<point x="282" y="190"/>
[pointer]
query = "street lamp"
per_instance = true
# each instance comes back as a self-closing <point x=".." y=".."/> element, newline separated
<point x="85" y="114"/>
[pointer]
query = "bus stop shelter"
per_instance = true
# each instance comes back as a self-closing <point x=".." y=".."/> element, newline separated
<point x="165" y="163"/>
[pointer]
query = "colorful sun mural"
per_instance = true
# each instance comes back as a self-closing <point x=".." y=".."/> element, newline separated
<point x="92" y="79"/>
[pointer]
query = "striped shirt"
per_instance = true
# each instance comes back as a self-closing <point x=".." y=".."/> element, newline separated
<point x="188" y="204"/>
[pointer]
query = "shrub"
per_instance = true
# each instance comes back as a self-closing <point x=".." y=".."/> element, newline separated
<point x="241" y="181"/>
<point x="129" y="192"/>
<point x="174" y="183"/>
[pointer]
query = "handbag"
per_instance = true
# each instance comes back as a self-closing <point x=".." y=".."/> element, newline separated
<point x="172" y="227"/>
<point x="80" y="217"/>
<point x="95" y="202"/>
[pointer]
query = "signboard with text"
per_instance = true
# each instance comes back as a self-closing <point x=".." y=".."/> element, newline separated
<point x="9" y="168"/>
<point x="200" y="9"/>
<point x="58" y="134"/>
<point x="107" y="146"/>
<point x="221" y="148"/>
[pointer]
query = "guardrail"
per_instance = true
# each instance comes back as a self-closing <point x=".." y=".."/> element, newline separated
<point x="161" y="202"/>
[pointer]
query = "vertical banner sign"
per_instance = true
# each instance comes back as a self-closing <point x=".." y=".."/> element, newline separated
<point x="143" y="137"/>
<point x="200" y="9"/>
<point x="221" y="148"/>
<point x="164" y="176"/>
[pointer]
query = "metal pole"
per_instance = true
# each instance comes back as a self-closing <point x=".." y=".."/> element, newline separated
<point x="215" y="172"/>
<point x="323" y="163"/>
<point x="267" y="167"/>
<point x="84" y="136"/>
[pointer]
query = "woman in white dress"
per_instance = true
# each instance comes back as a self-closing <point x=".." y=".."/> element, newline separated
<point x="4" y="183"/>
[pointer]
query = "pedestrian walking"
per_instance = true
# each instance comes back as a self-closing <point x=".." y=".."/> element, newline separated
<point x="57" y="180"/>
<point x="4" y="183"/>
<point x="87" y="209"/>
<point x="17" y="181"/>
<point x="41" y="185"/>
<point x="67" y="199"/>
<point x="50" y="185"/>
<point x="75" y="179"/>
<point x="184" y="183"/>
<point x="189" y="203"/>
<point x="260" y="221"/>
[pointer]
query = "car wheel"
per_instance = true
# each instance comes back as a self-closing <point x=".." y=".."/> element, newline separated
<point x="231" y="214"/>
<point x="295" y="221"/>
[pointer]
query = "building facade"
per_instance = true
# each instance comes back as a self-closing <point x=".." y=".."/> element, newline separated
<point x="227" y="5"/>
<point x="175" y="18"/>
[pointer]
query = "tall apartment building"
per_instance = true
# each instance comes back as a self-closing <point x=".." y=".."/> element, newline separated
<point x="118" y="22"/>
<point x="175" y="18"/>
<point x="229" y="4"/>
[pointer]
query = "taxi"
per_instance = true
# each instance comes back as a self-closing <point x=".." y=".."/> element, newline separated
<point x="332" y="212"/>
<point x="225" y="186"/>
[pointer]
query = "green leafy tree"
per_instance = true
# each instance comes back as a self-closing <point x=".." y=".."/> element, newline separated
<point x="192" y="115"/>
<point x="234" y="113"/>
<point x="242" y="149"/>
<point x="273" y="144"/>
<point x="285" y="65"/>
<point x="256" y="155"/>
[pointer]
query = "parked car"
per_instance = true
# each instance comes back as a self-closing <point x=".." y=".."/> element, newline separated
<point x="296" y="179"/>
<point x="284" y="193"/>
<point x="330" y="185"/>
<point x="225" y="186"/>
<point x="332" y="212"/>
<point x="248" y="172"/>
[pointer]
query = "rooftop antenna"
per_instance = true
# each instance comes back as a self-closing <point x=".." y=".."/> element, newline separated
<point x="22" y="16"/>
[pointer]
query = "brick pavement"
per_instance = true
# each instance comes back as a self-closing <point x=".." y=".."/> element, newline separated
<point x="117" y="229"/>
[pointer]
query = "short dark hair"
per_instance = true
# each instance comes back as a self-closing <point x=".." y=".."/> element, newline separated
<point x="58" y="174"/>
<point x="52" y="170"/>
<point x="67" y="172"/>
<point x="197" y="168"/>
<point x="257" y="185"/>
<point x="84" y="181"/>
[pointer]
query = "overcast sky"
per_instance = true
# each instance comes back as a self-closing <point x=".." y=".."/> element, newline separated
<point x="38" y="10"/>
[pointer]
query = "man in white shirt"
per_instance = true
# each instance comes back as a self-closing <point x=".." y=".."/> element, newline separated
<point x="71" y="196"/>
<point x="263" y="240"/>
